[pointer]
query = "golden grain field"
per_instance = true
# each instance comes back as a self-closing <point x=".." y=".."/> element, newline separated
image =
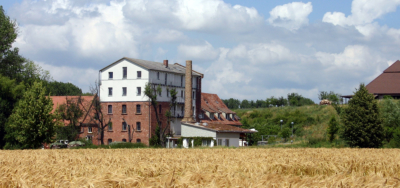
<point x="201" y="168"/>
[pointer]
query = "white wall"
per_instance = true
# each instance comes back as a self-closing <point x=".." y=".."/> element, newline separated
<point x="176" y="126"/>
<point x="234" y="139"/>
<point x="191" y="131"/>
<point x="131" y="83"/>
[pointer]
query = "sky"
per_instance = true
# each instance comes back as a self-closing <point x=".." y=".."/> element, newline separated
<point x="246" y="49"/>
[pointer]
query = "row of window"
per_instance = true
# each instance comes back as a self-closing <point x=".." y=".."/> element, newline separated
<point x="125" y="74"/>
<point x="109" y="141"/>
<point x="139" y="92"/>
<point x="124" y="127"/>
<point x="138" y="109"/>
<point x="124" y="91"/>
<point x="227" y="116"/>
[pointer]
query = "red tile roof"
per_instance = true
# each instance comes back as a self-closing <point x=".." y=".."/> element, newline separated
<point x="388" y="82"/>
<point x="213" y="104"/>
<point x="220" y="127"/>
<point x="85" y="105"/>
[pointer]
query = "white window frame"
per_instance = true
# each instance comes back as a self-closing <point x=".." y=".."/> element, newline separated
<point x="90" y="130"/>
<point x="138" y="91"/>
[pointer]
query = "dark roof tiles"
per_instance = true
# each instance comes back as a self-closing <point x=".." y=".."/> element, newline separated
<point x="388" y="82"/>
<point x="151" y="65"/>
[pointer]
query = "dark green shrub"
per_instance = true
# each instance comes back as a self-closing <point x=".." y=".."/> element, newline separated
<point x="333" y="128"/>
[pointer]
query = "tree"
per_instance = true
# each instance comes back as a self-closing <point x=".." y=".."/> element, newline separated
<point x="10" y="93"/>
<point x="55" y="88"/>
<point x="172" y="107"/>
<point x="333" y="128"/>
<point x="99" y="117"/>
<point x="295" y="99"/>
<point x="362" y="124"/>
<point x="32" y="122"/>
<point x="151" y="91"/>
<point x="232" y="103"/>
<point x="245" y="104"/>
<point x="390" y="113"/>
<point x="71" y="111"/>
<point x="331" y="96"/>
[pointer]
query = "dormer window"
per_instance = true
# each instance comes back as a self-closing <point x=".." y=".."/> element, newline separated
<point x="212" y="116"/>
<point x="219" y="116"/>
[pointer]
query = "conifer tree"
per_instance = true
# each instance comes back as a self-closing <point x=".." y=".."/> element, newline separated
<point x="362" y="126"/>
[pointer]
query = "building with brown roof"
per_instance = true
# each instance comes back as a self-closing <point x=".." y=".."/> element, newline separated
<point x="387" y="83"/>
<point x="214" y="111"/>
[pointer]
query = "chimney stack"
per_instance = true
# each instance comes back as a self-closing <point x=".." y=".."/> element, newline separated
<point x="188" y="116"/>
<point x="166" y="63"/>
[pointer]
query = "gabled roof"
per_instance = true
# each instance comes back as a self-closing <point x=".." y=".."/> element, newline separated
<point x="388" y="82"/>
<point x="220" y="128"/>
<point x="151" y="65"/>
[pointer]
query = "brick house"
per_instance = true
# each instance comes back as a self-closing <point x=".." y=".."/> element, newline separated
<point x="122" y="85"/>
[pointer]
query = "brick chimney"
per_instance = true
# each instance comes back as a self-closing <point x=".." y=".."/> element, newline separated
<point x="166" y="63"/>
<point x="188" y="94"/>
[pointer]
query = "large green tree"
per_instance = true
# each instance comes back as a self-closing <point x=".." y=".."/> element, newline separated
<point x="362" y="125"/>
<point x="31" y="122"/>
<point x="10" y="93"/>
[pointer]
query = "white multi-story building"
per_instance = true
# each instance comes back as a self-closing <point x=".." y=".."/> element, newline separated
<point x="122" y="87"/>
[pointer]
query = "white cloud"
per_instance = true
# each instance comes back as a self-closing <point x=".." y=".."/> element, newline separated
<point x="204" y="52"/>
<point x="290" y="16"/>
<point x="261" y="53"/>
<point x="211" y="15"/>
<point x="363" y="13"/>
<point x="82" y="78"/>
<point x="353" y="57"/>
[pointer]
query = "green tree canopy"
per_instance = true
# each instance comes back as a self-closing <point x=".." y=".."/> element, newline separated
<point x="331" y="96"/>
<point x="362" y="126"/>
<point x="55" y="88"/>
<point x="32" y="122"/>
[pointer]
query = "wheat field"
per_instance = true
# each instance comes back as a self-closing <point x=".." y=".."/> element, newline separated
<point x="219" y="167"/>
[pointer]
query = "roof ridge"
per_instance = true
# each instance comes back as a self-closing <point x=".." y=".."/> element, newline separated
<point x="395" y="65"/>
